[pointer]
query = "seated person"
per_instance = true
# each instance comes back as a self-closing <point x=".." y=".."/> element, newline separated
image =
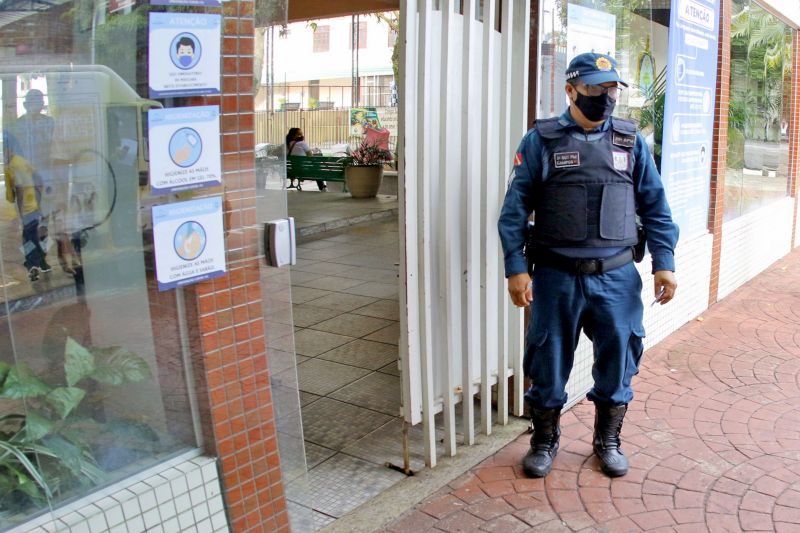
<point x="297" y="145"/>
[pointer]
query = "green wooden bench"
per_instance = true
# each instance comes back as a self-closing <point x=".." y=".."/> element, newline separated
<point x="301" y="168"/>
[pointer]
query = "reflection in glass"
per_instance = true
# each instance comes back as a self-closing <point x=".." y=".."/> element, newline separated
<point x="629" y="30"/>
<point x="94" y="380"/>
<point x="758" y="119"/>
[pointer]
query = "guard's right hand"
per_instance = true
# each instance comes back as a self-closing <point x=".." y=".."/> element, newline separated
<point x="520" y="289"/>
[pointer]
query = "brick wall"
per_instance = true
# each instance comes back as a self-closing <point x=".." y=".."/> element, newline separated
<point x="234" y="381"/>
<point x="719" y="162"/>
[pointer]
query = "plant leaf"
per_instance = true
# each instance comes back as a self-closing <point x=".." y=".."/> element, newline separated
<point x="67" y="452"/>
<point x="26" y="464"/>
<point x="116" y="366"/>
<point x="21" y="382"/>
<point x="36" y="426"/>
<point x="4" y="368"/>
<point x="79" y="362"/>
<point x="27" y="486"/>
<point x="65" y="399"/>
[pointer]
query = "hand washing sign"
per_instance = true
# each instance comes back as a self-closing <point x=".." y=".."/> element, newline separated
<point x="184" y="54"/>
<point x="189" y="242"/>
<point x="184" y="149"/>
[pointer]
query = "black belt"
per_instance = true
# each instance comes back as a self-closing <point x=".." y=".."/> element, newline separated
<point x="548" y="258"/>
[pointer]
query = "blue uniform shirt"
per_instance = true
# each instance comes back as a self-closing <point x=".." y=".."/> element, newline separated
<point x="651" y="201"/>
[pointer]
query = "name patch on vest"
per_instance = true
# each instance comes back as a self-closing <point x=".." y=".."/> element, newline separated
<point x="620" y="139"/>
<point x="567" y="159"/>
<point x="620" y="160"/>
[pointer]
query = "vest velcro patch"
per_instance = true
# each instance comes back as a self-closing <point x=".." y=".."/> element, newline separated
<point x="567" y="159"/>
<point x="620" y="139"/>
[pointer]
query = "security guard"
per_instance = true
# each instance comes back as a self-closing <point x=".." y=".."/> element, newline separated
<point x="585" y="176"/>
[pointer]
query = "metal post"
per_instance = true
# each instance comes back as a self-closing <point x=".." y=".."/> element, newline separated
<point x="406" y="454"/>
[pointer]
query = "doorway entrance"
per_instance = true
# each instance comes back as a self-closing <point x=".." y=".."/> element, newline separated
<point x="340" y="357"/>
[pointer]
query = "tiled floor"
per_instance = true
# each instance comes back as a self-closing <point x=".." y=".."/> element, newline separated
<point x="346" y="312"/>
<point x="712" y="436"/>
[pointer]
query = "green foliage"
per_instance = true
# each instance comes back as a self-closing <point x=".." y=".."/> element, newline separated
<point x="761" y="52"/>
<point x="48" y="447"/>
<point x="367" y="155"/>
<point x="392" y="19"/>
<point x="652" y="112"/>
<point x="114" y="366"/>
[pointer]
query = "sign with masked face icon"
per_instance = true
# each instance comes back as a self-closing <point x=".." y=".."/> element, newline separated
<point x="189" y="242"/>
<point x="184" y="149"/>
<point x="184" y="54"/>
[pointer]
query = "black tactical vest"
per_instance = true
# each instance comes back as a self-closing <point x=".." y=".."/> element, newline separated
<point x="586" y="195"/>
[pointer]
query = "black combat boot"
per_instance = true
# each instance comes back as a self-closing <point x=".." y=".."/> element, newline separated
<point x="544" y="442"/>
<point x="607" y="426"/>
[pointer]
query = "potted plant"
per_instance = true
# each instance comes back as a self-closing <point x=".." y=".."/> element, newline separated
<point x="48" y="436"/>
<point x="364" y="169"/>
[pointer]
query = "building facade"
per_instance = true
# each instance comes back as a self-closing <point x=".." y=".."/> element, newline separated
<point x="146" y="349"/>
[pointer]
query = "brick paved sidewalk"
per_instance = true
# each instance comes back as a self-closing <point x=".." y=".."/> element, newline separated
<point x="713" y="438"/>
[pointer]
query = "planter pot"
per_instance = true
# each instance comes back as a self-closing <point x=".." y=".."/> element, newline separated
<point x="363" y="182"/>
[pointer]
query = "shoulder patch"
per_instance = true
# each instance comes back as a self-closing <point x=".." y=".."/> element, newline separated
<point x="518" y="159"/>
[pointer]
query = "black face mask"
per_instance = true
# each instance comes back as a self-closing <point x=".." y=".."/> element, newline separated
<point x="301" y="138"/>
<point x="595" y="108"/>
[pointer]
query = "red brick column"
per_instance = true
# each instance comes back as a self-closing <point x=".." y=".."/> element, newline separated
<point x="233" y="385"/>
<point x="719" y="162"/>
<point x="794" y="129"/>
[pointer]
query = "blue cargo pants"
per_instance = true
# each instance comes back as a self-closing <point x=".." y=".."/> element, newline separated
<point x="608" y="308"/>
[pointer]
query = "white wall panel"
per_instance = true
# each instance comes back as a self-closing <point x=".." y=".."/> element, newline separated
<point x="752" y="242"/>
<point x="463" y="110"/>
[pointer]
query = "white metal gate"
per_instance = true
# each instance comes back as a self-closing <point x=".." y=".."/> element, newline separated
<point x="463" y="111"/>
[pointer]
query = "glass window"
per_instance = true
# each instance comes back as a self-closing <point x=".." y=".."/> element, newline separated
<point x="633" y="31"/>
<point x="361" y="34"/>
<point x="759" y="112"/>
<point x="94" y="363"/>
<point x="322" y="39"/>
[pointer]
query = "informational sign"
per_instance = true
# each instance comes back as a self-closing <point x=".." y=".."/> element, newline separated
<point x="184" y="149"/>
<point x="184" y="54"/>
<point x="189" y="242"/>
<point x="590" y="30"/>
<point x="361" y="117"/>
<point x="689" y="112"/>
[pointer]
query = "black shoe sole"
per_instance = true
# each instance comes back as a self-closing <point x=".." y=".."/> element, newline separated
<point x="536" y="475"/>
<point x="614" y="473"/>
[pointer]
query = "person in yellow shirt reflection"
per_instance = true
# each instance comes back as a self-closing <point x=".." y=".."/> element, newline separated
<point x="24" y="189"/>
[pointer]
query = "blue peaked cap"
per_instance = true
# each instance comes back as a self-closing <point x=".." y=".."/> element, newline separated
<point x="593" y="69"/>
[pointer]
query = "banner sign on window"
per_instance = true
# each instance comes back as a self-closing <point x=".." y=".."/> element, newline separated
<point x="689" y="112"/>
<point x="189" y="242"/>
<point x="184" y="149"/>
<point x="184" y="54"/>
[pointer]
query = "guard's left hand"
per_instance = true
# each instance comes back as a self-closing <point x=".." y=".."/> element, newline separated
<point x="664" y="279"/>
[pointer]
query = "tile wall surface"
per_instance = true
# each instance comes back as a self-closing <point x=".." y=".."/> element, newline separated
<point x="185" y="496"/>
